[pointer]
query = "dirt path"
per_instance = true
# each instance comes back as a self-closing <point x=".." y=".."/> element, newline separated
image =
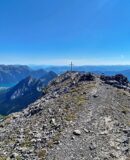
<point x="101" y="125"/>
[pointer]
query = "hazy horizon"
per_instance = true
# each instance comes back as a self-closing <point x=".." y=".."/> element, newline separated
<point x="62" y="65"/>
<point x="59" y="65"/>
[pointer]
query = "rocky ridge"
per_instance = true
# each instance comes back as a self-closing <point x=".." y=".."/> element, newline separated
<point x="80" y="117"/>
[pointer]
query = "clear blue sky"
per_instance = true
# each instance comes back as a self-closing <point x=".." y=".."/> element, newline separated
<point x="58" y="31"/>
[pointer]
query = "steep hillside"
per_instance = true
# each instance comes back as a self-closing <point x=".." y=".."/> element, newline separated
<point x="19" y="96"/>
<point x="25" y="92"/>
<point x="80" y="117"/>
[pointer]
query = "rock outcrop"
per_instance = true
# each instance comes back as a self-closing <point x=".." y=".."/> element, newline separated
<point x="118" y="80"/>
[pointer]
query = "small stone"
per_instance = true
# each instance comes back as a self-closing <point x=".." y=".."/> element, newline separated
<point x="92" y="146"/>
<point x="33" y="140"/>
<point x="44" y="126"/>
<point x="57" y="142"/>
<point x="50" y="110"/>
<point x="39" y="140"/>
<point x="53" y="121"/>
<point x="73" y="138"/>
<point x="104" y="132"/>
<point x="14" y="155"/>
<point x="77" y="132"/>
<point x="95" y="96"/>
<point x="87" y="131"/>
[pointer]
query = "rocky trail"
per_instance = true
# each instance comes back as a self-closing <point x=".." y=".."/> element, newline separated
<point x="103" y="134"/>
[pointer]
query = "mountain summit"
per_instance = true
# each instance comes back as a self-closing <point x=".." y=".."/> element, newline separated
<point x="80" y="117"/>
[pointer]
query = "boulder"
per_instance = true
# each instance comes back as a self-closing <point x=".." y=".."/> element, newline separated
<point x="117" y="80"/>
<point x="86" y="77"/>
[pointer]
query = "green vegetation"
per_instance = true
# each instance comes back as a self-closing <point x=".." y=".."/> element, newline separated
<point x="27" y="140"/>
<point x="54" y="139"/>
<point x="42" y="154"/>
<point x="70" y="116"/>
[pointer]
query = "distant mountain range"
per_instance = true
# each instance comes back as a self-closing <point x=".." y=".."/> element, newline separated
<point x="90" y="68"/>
<point x="12" y="74"/>
<point x="25" y="92"/>
<point x="107" y="70"/>
<point x="29" y="82"/>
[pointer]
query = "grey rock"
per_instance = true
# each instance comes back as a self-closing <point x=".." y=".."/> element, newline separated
<point x="77" y="132"/>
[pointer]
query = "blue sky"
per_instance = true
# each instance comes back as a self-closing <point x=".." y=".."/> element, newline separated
<point x="58" y="31"/>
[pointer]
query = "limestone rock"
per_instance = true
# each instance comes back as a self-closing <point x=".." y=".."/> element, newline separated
<point x="77" y="132"/>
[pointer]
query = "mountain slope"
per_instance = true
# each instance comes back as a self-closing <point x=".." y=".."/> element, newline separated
<point x="79" y="117"/>
<point x="12" y="74"/>
<point x="25" y="92"/>
<point x="20" y="95"/>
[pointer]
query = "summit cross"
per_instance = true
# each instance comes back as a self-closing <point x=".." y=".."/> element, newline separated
<point x="71" y="66"/>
